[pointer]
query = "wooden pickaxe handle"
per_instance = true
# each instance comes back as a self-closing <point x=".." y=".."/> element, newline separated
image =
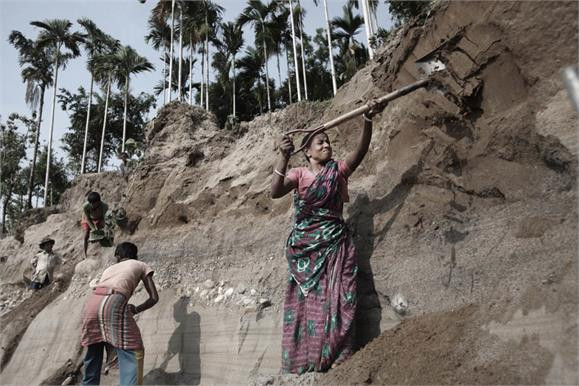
<point x="359" y="111"/>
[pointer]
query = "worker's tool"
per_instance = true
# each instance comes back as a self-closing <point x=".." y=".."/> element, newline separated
<point x="571" y="79"/>
<point x="96" y="235"/>
<point x="428" y="64"/>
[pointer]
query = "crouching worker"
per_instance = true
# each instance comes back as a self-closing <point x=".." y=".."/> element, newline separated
<point x="44" y="263"/>
<point x="93" y="218"/>
<point x="108" y="317"/>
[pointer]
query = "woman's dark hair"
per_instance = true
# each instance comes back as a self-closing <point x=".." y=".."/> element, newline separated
<point x="93" y="197"/>
<point x="126" y="250"/>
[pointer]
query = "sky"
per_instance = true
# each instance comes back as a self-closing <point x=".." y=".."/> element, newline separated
<point x="125" y="20"/>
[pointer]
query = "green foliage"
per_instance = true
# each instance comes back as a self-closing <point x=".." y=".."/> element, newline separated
<point x="76" y="106"/>
<point x="353" y="55"/>
<point x="12" y="181"/>
<point x="380" y="38"/>
<point x="403" y="10"/>
<point x="59" y="179"/>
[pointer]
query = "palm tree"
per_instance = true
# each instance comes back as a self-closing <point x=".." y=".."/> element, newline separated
<point x="346" y="28"/>
<point x="160" y="36"/>
<point x="191" y="23"/>
<point x="369" y="8"/>
<point x="175" y="86"/>
<point x="126" y="62"/>
<point x="36" y="65"/>
<point x="295" y="50"/>
<point x="161" y="13"/>
<point x="213" y="16"/>
<point x="250" y="67"/>
<point x="233" y="41"/>
<point x="330" y="47"/>
<point x="94" y="42"/>
<point x="56" y="34"/>
<point x="286" y="39"/>
<point x="104" y="69"/>
<point x="258" y="13"/>
<point x="301" y="12"/>
<point x="278" y="28"/>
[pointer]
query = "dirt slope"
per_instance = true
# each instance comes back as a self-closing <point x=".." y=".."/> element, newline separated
<point x="465" y="204"/>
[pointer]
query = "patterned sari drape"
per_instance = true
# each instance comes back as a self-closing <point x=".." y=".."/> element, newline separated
<point x="320" y="298"/>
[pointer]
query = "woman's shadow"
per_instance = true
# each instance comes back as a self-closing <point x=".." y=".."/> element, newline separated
<point x="361" y="221"/>
<point x="183" y="344"/>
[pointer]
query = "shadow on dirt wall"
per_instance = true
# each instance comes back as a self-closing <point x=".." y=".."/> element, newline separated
<point x="361" y="214"/>
<point x="184" y="347"/>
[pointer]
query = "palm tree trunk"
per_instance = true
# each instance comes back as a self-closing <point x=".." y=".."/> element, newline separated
<point x="233" y="65"/>
<point x="297" y="74"/>
<point x="289" y="79"/>
<point x="202" y="97"/>
<point x="171" y="55"/>
<point x="303" y="56"/>
<point x="104" y="125"/>
<point x="207" y="72"/>
<point x="330" y="48"/>
<point x="278" y="67"/>
<point x="259" y="93"/>
<point x="374" y="20"/>
<point x="367" y="27"/>
<point x="165" y="75"/>
<point x="36" y="140"/>
<point x="4" y="206"/>
<point x="191" y="71"/>
<point x="49" y="152"/>
<point x="266" y="69"/>
<point x="82" y="164"/>
<point x="179" y="91"/>
<point x="125" y="114"/>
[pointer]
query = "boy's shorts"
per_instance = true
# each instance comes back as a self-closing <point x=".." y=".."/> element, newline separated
<point x="100" y="224"/>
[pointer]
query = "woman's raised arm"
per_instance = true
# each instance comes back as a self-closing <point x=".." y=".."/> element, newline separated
<point x="280" y="184"/>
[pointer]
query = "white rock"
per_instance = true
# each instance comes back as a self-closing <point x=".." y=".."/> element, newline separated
<point x="400" y="304"/>
<point x="209" y="284"/>
<point x="203" y="293"/>
<point x="253" y="292"/>
<point x="220" y="290"/>
<point x="219" y="298"/>
<point x="247" y="300"/>
<point x="228" y="292"/>
<point x="86" y="267"/>
<point x="241" y="289"/>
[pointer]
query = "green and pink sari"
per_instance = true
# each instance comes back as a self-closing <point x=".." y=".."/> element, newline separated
<point x="320" y="298"/>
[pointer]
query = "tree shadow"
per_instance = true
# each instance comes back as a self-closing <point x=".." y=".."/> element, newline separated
<point x="183" y="344"/>
<point x="361" y="221"/>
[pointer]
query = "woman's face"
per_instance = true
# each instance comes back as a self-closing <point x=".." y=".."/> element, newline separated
<point x="320" y="148"/>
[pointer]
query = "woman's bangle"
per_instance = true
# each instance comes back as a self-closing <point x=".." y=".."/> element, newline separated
<point x="366" y="118"/>
<point x="279" y="173"/>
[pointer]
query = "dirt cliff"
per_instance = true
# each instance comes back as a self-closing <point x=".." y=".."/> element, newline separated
<point x="465" y="204"/>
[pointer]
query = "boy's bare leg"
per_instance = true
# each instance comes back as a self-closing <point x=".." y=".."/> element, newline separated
<point x="86" y="236"/>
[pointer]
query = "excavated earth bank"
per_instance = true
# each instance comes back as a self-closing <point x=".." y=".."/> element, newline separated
<point x="465" y="204"/>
